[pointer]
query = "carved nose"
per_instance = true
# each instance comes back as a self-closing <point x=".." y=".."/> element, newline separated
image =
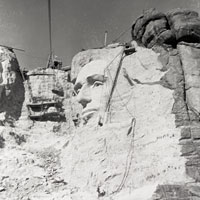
<point x="84" y="96"/>
<point x="84" y="102"/>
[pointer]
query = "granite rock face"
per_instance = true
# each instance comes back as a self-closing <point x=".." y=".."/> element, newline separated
<point x="144" y="145"/>
<point x="11" y="86"/>
<point x="154" y="27"/>
<point x="185" y="24"/>
<point x="149" y="89"/>
<point x="158" y="87"/>
<point x="180" y="58"/>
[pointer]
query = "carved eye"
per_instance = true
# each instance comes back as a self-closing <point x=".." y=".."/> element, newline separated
<point x="97" y="83"/>
<point x="75" y="92"/>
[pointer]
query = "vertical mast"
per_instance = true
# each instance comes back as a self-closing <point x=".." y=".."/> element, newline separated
<point x="105" y="38"/>
<point x="50" y="40"/>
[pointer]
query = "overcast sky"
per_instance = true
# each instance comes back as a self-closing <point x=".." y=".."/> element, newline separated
<point x="76" y="24"/>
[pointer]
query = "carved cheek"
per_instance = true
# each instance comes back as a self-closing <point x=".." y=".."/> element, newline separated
<point x="98" y="93"/>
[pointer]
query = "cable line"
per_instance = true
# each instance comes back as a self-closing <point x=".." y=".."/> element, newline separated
<point x="121" y="34"/>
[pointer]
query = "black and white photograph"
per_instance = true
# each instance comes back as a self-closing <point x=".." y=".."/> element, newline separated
<point x="99" y="99"/>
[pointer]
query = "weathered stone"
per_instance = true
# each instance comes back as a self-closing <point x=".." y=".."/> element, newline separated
<point x="196" y="144"/>
<point x="188" y="150"/>
<point x="171" y="79"/>
<point x="190" y="62"/>
<point x="167" y="37"/>
<point x="185" y="133"/>
<point x="164" y="56"/>
<point x="140" y="24"/>
<point x="185" y="24"/>
<point x="186" y="142"/>
<point x="194" y="190"/>
<point x="193" y="160"/>
<point x="178" y="25"/>
<point x="174" y="79"/>
<point x="11" y="86"/>
<point x="179" y="108"/>
<point x="169" y="192"/>
<point x="193" y="166"/>
<point x="193" y="172"/>
<point x="153" y="30"/>
<point x="195" y="131"/>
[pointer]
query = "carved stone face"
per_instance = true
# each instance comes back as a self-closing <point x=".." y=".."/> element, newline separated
<point x="90" y="88"/>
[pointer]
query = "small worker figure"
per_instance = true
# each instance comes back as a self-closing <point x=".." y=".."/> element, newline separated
<point x="56" y="64"/>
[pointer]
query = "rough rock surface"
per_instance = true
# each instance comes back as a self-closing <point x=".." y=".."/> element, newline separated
<point x="185" y="24"/>
<point x="156" y="100"/>
<point x="154" y="27"/>
<point x="11" y="87"/>
<point x="180" y="59"/>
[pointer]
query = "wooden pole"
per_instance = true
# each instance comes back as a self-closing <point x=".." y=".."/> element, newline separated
<point x="12" y="48"/>
<point x="114" y="85"/>
<point x="50" y="37"/>
<point x="105" y="38"/>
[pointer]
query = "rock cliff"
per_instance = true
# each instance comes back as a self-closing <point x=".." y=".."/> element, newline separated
<point x="157" y="86"/>
<point x="11" y="87"/>
<point x="132" y="126"/>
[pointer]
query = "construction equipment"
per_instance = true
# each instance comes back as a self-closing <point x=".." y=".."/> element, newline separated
<point x="11" y="48"/>
<point x="43" y="108"/>
<point x="46" y="110"/>
<point x="127" y="50"/>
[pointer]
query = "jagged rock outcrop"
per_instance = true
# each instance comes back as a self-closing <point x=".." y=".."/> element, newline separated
<point x="11" y="86"/>
<point x="180" y="59"/>
<point x="185" y="24"/>
<point x="154" y="27"/>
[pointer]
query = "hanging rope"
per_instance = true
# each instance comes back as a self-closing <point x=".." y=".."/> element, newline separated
<point x="131" y="131"/>
<point x="121" y="99"/>
<point x="129" y="158"/>
<point x="100" y="120"/>
<point x="115" y="81"/>
<point x="113" y="86"/>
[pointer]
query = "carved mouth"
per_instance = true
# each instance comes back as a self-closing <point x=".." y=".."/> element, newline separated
<point x="88" y="112"/>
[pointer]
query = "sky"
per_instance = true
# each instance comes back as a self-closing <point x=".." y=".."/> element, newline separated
<point x="76" y="25"/>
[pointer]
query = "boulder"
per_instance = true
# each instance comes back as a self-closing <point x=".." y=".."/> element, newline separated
<point x="141" y="23"/>
<point x="154" y="27"/>
<point x="185" y="24"/>
<point x="11" y="86"/>
<point x="153" y="30"/>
